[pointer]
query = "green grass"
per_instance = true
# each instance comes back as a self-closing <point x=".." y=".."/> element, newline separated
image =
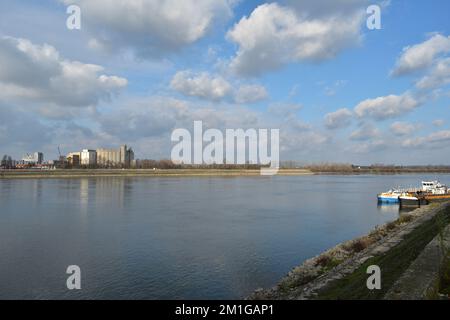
<point x="444" y="285"/>
<point x="445" y="279"/>
<point x="393" y="264"/>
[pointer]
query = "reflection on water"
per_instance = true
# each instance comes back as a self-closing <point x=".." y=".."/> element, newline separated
<point x="166" y="238"/>
<point x="93" y="192"/>
<point x="388" y="208"/>
<point x="393" y="208"/>
<point x="37" y="191"/>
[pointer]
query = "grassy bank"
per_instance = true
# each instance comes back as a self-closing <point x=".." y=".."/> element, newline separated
<point x="393" y="263"/>
<point x="444" y="285"/>
<point x="340" y="272"/>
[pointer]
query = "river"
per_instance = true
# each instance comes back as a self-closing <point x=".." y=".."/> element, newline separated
<point x="178" y="238"/>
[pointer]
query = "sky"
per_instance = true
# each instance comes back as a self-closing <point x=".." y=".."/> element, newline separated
<point x="136" y="70"/>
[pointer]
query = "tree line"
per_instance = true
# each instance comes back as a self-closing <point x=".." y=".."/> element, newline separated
<point x="7" y="162"/>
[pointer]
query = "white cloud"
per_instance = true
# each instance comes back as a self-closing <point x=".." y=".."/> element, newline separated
<point x="304" y="143"/>
<point x="284" y="109"/>
<point x="137" y="119"/>
<point x="19" y="129"/>
<point x="403" y="128"/>
<point x="151" y="28"/>
<point x="201" y="85"/>
<point x="366" y="132"/>
<point x="386" y="107"/>
<point x="251" y="93"/>
<point x="441" y="136"/>
<point x="327" y="7"/>
<point x="339" y="119"/>
<point x="274" y="35"/>
<point x="216" y="88"/>
<point x="370" y="146"/>
<point x="438" y="123"/>
<point x="434" y="140"/>
<point x="422" y="55"/>
<point x="289" y="118"/>
<point x="438" y="76"/>
<point x="331" y="90"/>
<point x="37" y="74"/>
<point x="156" y="116"/>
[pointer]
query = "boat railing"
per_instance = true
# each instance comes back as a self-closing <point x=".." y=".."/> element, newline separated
<point x="409" y="190"/>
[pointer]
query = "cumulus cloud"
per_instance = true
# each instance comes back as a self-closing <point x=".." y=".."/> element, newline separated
<point x="434" y="140"/>
<point x="304" y="143"/>
<point x="403" y="128"/>
<point x="288" y="113"/>
<point x="338" y="119"/>
<point x="22" y="128"/>
<point x="143" y="119"/>
<point x="438" y="122"/>
<point x="438" y="76"/>
<point x="214" y="87"/>
<point x="148" y="123"/>
<point x="151" y="28"/>
<point x="386" y="107"/>
<point x="366" y="132"/>
<point x="156" y="116"/>
<point x="422" y="55"/>
<point x="38" y="74"/>
<point x="274" y="35"/>
<point x="201" y="85"/>
<point x="320" y="8"/>
<point x="370" y="146"/>
<point x="251" y="93"/>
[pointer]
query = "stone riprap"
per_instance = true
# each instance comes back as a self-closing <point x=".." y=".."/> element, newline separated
<point x="306" y="281"/>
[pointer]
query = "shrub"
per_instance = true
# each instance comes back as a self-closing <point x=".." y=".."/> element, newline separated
<point x="405" y="218"/>
<point x="391" y="225"/>
<point x="360" y="244"/>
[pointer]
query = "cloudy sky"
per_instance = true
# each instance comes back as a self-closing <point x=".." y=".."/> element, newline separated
<point x="138" y="69"/>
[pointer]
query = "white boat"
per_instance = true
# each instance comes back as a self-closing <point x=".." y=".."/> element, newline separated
<point x="391" y="196"/>
<point x="434" y="187"/>
<point x="409" y="200"/>
<point x="415" y="196"/>
<point x="431" y="191"/>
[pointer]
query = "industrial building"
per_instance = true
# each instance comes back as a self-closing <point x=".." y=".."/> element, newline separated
<point x="74" y="159"/>
<point x="35" y="158"/>
<point x="88" y="157"/>
<point x="123" y="156"/>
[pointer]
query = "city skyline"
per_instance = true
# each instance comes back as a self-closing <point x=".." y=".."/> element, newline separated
<point x="337" y="91"/>
<point x="102" y="157"/>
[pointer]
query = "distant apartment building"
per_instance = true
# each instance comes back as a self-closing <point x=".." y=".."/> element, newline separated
<point x="35" y="158"/>
<point x="122" y="156"/>
<point x="74" y="159"/>
<point x="88" y="157"/>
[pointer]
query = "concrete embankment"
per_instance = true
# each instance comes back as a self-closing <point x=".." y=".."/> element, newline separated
<point x="87" y="173"/>
<point x="408" y="251"/>
<point x="423" y="277"/>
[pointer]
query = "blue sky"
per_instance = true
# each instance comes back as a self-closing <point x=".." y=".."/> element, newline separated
<point x="337" y="91"/>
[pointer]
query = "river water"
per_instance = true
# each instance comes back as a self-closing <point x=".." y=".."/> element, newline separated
<point x="177" y="238"/>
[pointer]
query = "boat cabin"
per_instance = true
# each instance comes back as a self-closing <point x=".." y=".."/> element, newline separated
<point x="434" y="187"/>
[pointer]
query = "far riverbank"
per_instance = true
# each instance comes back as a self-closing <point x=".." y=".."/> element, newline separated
<point x="83" y="173"/>
<point x="87" y="173"/>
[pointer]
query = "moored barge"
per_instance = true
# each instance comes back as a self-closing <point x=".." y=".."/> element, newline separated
<point x="431" y="192"/>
